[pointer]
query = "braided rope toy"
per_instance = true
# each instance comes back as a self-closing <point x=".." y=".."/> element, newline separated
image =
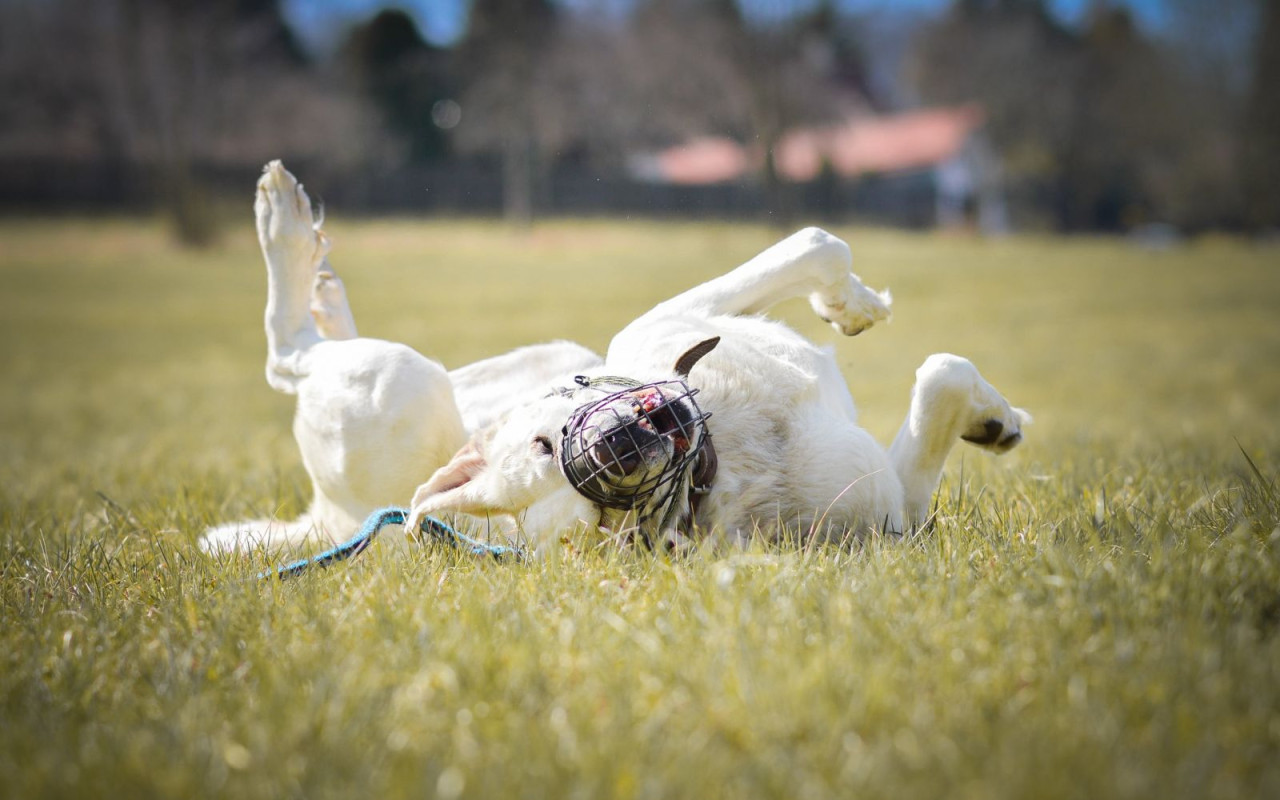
<point x="431" y="529"/>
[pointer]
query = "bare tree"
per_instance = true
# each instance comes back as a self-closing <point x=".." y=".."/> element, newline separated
<point x="407" y="80"/>
<point x="801" y="70"/>
<point x="162" y="86"/>
<point x="706" y="69"/>
<point x="505" y="101"/>
<point x="1124" y="140"/>
<point x="1119" y="126"/>
<point x="1012" y="58"/>
<point x="1260" y="151"/>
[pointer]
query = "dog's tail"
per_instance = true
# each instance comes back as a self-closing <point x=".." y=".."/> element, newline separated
<point x="269" y="534"/>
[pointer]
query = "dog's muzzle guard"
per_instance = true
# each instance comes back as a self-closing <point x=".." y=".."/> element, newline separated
<point x="634" y="447"/>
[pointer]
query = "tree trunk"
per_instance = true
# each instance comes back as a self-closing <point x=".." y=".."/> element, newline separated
<point x="778" y="200"/>
<point x="517" y="180"/>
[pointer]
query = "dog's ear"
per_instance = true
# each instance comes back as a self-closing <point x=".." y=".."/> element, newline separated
<point x="454" y="486"/>
<point x="694" y="354"/>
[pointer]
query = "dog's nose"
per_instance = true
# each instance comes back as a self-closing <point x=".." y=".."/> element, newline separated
<point x="617" y="454"/>
<point x="621" y="451"/>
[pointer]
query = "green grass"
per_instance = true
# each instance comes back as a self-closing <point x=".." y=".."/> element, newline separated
<point x="1096" y="615"/>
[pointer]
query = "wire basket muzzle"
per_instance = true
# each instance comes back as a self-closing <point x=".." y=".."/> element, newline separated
<point x="630" y="446"/>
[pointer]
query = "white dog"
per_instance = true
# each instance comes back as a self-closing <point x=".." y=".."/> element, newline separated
<point x="719" y="422"/>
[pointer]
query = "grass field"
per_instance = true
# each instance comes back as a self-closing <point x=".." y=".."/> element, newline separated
<point x="1095" y="615"/>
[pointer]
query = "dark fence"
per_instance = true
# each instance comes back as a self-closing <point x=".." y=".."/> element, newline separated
<point x="469" y="188"/>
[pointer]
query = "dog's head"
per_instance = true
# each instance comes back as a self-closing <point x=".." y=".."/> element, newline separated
<point x="560" y="461"/>
<point x="628" y="448"/>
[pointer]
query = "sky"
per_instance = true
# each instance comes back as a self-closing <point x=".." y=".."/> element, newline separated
<point x="321" y="22"/>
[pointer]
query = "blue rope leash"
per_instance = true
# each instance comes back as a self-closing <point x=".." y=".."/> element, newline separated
<point x="431" y="528"/>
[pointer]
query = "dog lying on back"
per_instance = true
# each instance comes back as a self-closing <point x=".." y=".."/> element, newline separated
<point x="704" y="418"/>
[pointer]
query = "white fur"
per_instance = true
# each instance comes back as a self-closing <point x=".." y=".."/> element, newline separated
<point x="374" y="417"/>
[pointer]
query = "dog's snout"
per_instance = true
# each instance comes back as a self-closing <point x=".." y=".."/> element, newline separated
<point x="616" y="455"/>
<point x="622" y="451"/>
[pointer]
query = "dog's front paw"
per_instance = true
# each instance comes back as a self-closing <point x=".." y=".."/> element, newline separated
<point x="287" y="228"/>
<point x="992" y="423"/>
<point x="950" y="387"/>
<point x="852" y="307"/>
<point x="999" y="432"/>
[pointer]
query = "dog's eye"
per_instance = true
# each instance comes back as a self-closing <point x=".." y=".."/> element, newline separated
<point x="542" y="445"/>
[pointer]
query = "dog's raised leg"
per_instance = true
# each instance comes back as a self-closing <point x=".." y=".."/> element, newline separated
<point x="293" y="248"/>
<point x="810" y="263"/>
<point x="300" y="279"/>
<point x="950" y="402"/>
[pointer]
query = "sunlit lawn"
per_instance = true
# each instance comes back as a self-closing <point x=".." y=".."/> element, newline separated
<point x="1095" y="615"/>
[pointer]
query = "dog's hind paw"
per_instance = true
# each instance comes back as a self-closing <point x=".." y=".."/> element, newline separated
<point x="329" y="307"/>
<point x="287" y="227"/>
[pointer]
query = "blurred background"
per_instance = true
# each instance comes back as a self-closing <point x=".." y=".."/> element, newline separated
<point x="1153" y="118"/>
